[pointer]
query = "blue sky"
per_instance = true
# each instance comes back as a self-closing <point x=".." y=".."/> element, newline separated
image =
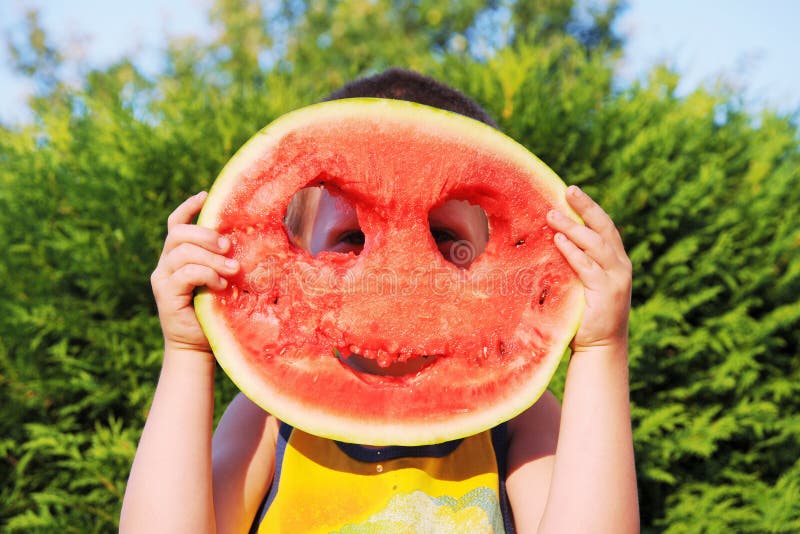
<point x="752" y="45"/>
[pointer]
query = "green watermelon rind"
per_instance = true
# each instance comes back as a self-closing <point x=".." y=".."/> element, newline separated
<point x="335" y="424"/>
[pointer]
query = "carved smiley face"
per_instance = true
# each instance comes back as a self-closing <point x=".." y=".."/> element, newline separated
<point x="322" y="220"/>
<point x="416" y="297"/>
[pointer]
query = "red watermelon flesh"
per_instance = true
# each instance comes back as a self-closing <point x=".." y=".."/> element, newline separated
<point x="489" y="337"/>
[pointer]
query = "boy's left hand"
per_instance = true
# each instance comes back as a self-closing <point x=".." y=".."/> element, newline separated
<point x="597" y="255"/>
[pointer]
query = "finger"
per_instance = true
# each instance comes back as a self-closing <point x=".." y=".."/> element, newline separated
<point x="189" y="253"/>
<point x="184" y="213"/>
<point x="189" y="276"/>
<point x="593" y="215"/>
<point x="589" y="271"/>
<point x="195" y="235"/>
<point x="585" y="238"/>
<point x="182" y="283"/>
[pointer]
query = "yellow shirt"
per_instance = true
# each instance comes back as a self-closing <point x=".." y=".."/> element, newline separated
<point x="326" y="486"/>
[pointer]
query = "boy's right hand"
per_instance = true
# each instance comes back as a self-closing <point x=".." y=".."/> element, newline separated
<point x="192" y="256"/>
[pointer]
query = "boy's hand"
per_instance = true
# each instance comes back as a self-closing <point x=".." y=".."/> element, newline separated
<point x="192" y="257"/>
<point x="596" y="253"/>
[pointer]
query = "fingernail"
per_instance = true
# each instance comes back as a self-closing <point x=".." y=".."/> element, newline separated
<point x="223" y="243"/>
<point x="231" y="264"/>
<point x="223" y="282"/>
<point x="575" y="190"/>
<point x="553" y="215"/>
<point x="559" y="237"/>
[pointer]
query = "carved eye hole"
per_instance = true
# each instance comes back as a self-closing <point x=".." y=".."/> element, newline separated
<point x="320" y="218"/>
<point x="460" y="231"/>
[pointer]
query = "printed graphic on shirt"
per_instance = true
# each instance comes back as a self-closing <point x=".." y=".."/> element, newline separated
<point x="321" y="488"/>
<point x="418" y="512"/>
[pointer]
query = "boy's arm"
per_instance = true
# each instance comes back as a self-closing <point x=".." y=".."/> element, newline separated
<point x="585" y="462"/>
<point x="243" y="463"/>
<point x="593" y="487"/>
<point x="170" y="485"/>
<point x="533" y="437"/>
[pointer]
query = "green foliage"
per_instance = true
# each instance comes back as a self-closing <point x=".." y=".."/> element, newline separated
<point x="707" y="198"/>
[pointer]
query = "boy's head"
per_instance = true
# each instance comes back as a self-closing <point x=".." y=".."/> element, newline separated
<point x="402" y="84"/>
<point x="319" y="221"/>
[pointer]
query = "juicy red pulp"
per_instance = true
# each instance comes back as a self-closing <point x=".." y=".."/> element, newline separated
<point x="398" y="296"/>
<point x="426" y="349"/>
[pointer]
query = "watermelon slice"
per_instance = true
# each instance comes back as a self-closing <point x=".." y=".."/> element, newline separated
<point x="462" y="349"/>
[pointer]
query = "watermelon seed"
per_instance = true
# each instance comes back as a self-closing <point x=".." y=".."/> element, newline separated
<point x="542" y="296"/>
<point x="275" y="300"/>
<point x="501" y="348"/>
<point x="520" y="242"/>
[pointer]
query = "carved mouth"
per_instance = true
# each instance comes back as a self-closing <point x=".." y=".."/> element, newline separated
<point x="367" y="366"/>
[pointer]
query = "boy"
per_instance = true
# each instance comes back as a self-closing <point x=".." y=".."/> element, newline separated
<point x="568" y="469"/>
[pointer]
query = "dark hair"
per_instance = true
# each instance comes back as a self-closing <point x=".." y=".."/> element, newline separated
<point x="403" y="84"/>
